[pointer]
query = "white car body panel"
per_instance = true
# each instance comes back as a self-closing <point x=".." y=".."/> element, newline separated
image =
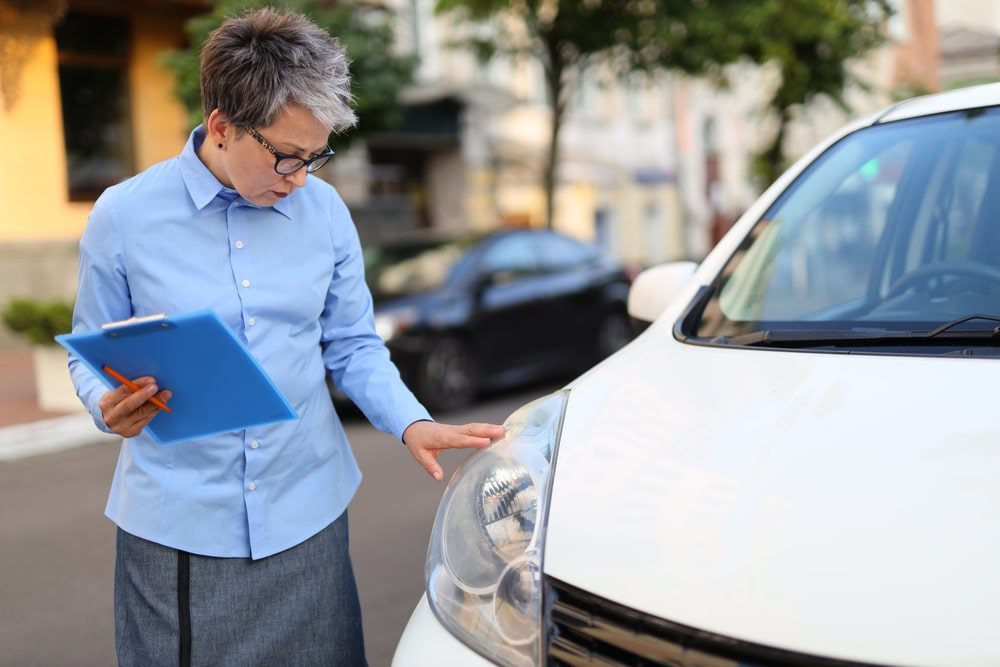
<point x="953" y="100"/>
<point x="425" y="642"/>
<point x="695" y="484"/>
<point x="837" y="505"/>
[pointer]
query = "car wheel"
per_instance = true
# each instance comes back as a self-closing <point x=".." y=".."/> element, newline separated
<point x="614" y="334"/>
<point x="447" y="375"/>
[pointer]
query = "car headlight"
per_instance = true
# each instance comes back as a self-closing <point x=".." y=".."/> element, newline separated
<point x="484" y="563"/>
<point x="391" y="324"/>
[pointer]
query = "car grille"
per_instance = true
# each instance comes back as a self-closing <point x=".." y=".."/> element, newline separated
<point x="587" y="630"/>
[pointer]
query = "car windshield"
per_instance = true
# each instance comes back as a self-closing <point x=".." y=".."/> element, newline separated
<point x="400" y="269"/>
<point x="896" y="228"/>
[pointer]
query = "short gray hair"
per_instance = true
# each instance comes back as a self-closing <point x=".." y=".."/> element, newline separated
<point x="254" y="64"/>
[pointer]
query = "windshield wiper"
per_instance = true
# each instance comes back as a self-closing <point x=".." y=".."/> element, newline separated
<point x="942" y="335"/>
<point x="948" y="326"/>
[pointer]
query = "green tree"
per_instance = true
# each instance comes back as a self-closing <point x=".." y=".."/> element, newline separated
<point x="691" y="36"/>
<point x="377" y="73"/>
<point x="811" y="42"/>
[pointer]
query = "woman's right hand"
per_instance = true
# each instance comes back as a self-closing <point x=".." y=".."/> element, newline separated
<point x="127" y="413"/>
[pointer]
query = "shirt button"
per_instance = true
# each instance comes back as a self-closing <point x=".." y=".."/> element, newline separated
<point x="239" y="244"/>
<point x="252" y="485"/>
<point x="255" y="444"/>
<point x="246" y="283"/>
<point x="252" y="321"/>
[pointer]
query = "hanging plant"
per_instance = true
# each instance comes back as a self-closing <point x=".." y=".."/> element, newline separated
<point x="22" y="24"/>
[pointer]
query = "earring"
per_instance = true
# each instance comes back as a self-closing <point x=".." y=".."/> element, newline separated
<point x="220" y="145"/>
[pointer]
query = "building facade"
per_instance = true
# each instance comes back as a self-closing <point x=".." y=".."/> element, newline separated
<point x="617" y="178"/>
<point x="653" y="169"/>
<point x="85" y="103"/>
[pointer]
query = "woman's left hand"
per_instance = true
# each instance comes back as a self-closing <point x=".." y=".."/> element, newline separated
<point x="426" y="440"/>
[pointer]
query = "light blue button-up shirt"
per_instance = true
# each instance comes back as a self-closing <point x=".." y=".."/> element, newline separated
<point x="289" y="281"/>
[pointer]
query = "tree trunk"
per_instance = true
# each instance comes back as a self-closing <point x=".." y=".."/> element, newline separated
<point x="553" y="78"/>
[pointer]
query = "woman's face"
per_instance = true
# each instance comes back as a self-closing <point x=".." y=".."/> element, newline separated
<point x="249" y="165"/>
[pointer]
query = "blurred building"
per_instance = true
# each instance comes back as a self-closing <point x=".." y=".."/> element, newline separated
<point x="617" y="180"/>
<point x="970" y="42"/>
<point x="981" y="14"/>
<point x="969" y="57"/>
<point x="84" y="102"/>
<point x="652" y="169"/>
<point x="719" y="131"/>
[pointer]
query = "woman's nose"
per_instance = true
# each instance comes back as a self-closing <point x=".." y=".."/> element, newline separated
<point x="297" y="178"/>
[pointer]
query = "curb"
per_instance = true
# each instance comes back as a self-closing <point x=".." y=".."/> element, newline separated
<point x="50" y="435"/>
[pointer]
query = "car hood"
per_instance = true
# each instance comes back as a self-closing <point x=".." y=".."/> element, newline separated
<point x="831" y="504"/>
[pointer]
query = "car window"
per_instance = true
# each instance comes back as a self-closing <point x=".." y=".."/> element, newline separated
<point x="943" y="229"/>
<point x="557" y="253"/>
<point x="897" y="224"/>
<point x="409" y="268"/>
<point x="820" y="255"/>
<point x="511" y="254"/>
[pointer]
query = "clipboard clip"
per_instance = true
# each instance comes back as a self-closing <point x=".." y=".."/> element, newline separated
<point x="133" y="320"/>
<point x="114" y="328"/>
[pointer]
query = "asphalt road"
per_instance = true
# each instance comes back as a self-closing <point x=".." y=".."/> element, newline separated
<point x="57" y="548"/>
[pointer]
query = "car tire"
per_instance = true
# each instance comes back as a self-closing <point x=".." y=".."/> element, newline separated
<point x="614" y="333"/>
<point x="447" y="375"/>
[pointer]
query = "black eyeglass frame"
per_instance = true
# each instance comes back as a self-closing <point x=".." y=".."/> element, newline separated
<point x="312" y="165"/>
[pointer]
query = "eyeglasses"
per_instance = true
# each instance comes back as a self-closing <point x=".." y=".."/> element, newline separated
<point x="286" y="164"/>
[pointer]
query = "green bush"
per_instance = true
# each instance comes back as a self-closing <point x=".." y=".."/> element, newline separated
<point x="38" y="321"/>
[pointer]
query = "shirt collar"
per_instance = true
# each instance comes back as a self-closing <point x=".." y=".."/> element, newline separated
<point x="203" y="186"/>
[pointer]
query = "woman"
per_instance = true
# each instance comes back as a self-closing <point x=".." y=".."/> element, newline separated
<point x="233" y="549"/>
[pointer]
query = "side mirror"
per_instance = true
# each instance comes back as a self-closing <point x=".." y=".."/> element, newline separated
<point x="654" y="289"/>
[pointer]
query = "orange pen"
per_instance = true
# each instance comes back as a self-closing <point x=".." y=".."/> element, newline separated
<point x="134" y="387"/>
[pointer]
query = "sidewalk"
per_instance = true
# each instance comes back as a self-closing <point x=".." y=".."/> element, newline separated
<point x="17" y="389"/>
<point x="26" y="429"/>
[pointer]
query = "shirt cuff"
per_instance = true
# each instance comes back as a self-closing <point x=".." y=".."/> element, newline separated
<point x="428" y="419"/>
<point x="92" y="401"/>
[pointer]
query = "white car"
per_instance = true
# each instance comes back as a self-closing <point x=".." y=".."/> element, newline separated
<point x="796" y="464"/>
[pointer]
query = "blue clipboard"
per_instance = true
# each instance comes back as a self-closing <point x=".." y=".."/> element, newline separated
<point x="217" y="386"/>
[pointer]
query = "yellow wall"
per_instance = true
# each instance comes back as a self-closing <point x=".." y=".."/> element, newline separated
<point x="158" y="120"/>
<point x="33" y="187"/>
<point x="640" y="240"/>
<point x="521" y="203"/>
<point x="480" y="204"/>
<point x="34" y="200"/>
<point x="576" y="207"/>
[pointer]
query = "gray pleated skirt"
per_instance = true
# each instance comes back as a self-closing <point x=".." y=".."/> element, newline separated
<point x="298" y="607"/>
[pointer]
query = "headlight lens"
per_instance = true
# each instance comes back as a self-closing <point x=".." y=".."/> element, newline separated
<point x="489" y="522"/>
<point x="484" y="562"/>
<point x="517" y="601"/>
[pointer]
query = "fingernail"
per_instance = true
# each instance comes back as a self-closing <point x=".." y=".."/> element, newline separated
<point x="438" y="475"/>
<point x="151" y="389"/>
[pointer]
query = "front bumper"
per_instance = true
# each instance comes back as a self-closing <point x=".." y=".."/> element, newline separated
<point x="426" y="642"/>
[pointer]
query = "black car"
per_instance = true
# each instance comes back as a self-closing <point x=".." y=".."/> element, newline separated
<point x="488" y="311"/>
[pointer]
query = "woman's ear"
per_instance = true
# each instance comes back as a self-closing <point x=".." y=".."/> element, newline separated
<point x="217" y="128"/>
